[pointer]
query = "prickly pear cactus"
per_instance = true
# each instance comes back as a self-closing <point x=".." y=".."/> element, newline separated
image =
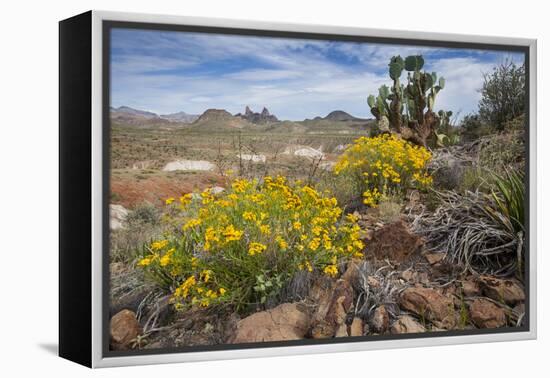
<point x="409" y="108"/>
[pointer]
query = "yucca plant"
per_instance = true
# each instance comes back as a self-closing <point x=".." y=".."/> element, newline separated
<point x="509" y="196"/>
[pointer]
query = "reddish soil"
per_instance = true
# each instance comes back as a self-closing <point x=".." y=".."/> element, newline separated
<point x="131" y="191"/>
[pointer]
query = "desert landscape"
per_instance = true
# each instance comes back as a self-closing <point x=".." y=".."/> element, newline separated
<point x="246" y="227"/>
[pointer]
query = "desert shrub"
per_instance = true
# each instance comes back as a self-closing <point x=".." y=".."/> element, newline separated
<point x="144" y="213"/>
<point x="473" y="128"/>
<point x="474" y="178"/>
<point x="449" y="174"/>
<point x="502" y="152"/>
<point x="384" y="165"/>
<point x="142" y="224"/>
<point x="503" y="94"/>
<point x="389" y="209"/>
<point x="242" y="246"/>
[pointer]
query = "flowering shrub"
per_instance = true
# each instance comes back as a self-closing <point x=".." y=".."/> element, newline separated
<point x="384" y="165"/>
<point x="239" y="246"/>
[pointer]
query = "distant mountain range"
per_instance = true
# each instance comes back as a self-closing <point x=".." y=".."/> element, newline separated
<point x="136" y="116"/>
<point x="219" y="120"/>
<point x="180" y="117"/>
<point x="339" y="115"/>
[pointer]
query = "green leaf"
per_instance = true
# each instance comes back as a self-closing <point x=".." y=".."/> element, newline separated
<point x="442" y="82"/>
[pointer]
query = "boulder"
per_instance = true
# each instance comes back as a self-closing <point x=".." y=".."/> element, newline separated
<point x="118" y="214"/>
<point x="406" y="324"/>
<point x="486" y="314"/>
<point x="395" y="242"/>
<point x="288" y="321"/>
<point x="470" y="288"/>
<point x="430" y="305"/>
<point x="380" y="319"/>
<point x="124" y="329"/>
<point x="502" y="290"/>
<point x="332" y="311"/>
<point x="352" y="273"/>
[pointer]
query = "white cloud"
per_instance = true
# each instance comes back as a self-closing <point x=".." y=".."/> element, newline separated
<point x="168" y="72"/>
<point x="263" y="75"/>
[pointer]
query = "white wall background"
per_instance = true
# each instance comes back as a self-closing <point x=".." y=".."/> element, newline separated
<point x="28" y="185"/>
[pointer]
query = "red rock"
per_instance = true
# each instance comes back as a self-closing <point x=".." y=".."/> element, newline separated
<point x="287" y="321"/>
<point x="124" y="329"/>
<point x="430" y="305"/>
<point x="470" y="288"/>
<point x="332" y="312"/>
<point x="406" y="324"/>
<point x="502" y="290"/>
<point x="485" y="314"/>
<point x="380" y="319"/>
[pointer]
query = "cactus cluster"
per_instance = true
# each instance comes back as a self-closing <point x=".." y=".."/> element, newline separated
<point x="408" y="109"/>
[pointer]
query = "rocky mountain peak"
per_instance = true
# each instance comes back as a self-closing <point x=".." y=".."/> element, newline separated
<point x="257" y="118"/>
<point x="215" y="114"/>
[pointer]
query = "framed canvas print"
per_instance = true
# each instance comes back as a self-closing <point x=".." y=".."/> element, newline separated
<point x="234" y="189"/>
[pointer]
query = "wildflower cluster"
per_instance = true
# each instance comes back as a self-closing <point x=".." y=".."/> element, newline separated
<point x="269" y="228"/>
<point x="383" y="165"/>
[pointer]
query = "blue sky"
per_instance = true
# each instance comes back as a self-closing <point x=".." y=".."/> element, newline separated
<point x="167" y="72"/>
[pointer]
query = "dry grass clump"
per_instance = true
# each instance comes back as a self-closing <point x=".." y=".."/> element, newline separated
<point x="473" y="233"/>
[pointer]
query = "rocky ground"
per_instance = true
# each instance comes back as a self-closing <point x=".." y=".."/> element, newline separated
<point x="402" y="286"/>
<point x="398" y="288"/>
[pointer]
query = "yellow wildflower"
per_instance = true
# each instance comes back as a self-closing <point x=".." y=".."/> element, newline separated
<point x="205" y="275"/>
<point x="265" y="229"/>
<point x="158" y="245"/>
<point x="281" y="242"/>
<point x="186" y="199"/>
<point x="255" y="248"/>
<point x="232" y="234"/>
<point x="331" y="270"/>
<point x="249" y="216"/>
<point x="191" y="223"/>
<point x="165" y="260"/>
<point x="146" y="260"/>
